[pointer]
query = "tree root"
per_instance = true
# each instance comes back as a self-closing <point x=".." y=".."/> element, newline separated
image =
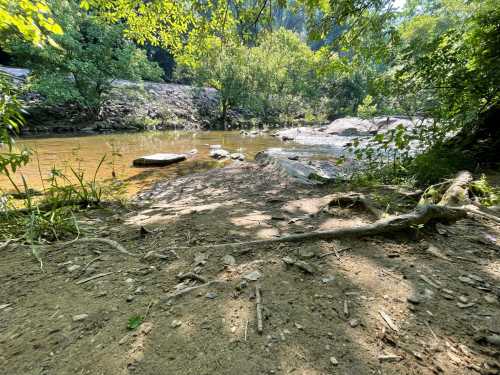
<point x="181" y="292"/>
<point x="354" y="199"/>
<point x="414" y="219"/>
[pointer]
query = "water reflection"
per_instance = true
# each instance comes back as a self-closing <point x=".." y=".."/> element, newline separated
<point x="84" y="153"/>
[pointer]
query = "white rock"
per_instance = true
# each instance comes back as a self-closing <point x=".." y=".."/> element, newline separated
<point x="80" y="317"/>
<point x="252" y="276"/>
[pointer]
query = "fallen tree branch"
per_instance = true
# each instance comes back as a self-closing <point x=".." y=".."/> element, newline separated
<point x="414" y="219"/>
<point x="192" y="276"/>
<point x="181" y="292"/>
<point x="258" y="302"/>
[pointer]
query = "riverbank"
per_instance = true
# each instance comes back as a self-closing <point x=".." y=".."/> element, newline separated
<point x="370" y="305"/>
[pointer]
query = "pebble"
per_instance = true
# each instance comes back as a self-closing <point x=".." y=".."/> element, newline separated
<point x="80" y="317"/>
<point x="299" y="326"/>
<point x="413" y="299"/>
<point x="129" y="280"/>
<point x="228" y="260"/>
<point x="354" y="323"/>
<point x="130" y="298"/>
<point x="211" y="295"/>
<point x="463" y="299"/>
<point x="252" y="276"/>
<point x="175" y="323"/>
<point x="490" y="298"/>
<point x="74" y="267"/>
<point x="306" y="254"/>
<point x="139" y="290"/>
<point x="466" y="280"/>
<point x="334" y="361"/>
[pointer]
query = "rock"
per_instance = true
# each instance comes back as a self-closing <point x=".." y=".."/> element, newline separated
<point x="219" y="154"/>
<point x="493" y="340"/>
<point x="326" y="280"/>
<point x="252" y="276"/>
<point x="129" y="280"/>
<point x="74" y="267"/>
<point x="389" y="358"/>
<point x="463" y="299"/>
<point x="288" y="260"/>
<point x="490" y="298"/>
<point x="139" y="290"/>
<point x="350" y="126"/>
<point x="158" y="160"/>
<point x="306" y="254"/>
<point x="354" y="323"/>
<point x="175" y="323"/>
<point x="415" y="299"/>
<point x="130" y="298"/>
<point x="80" y="317"/>
<point x="228" y="260"/>
<point x="466" y="280"/>
<point x="211" y="295"/>
<point x="299" y="326"/>
<point x="237" y="156"/>
<point x="304" y="266"/>
<point x="334" y="361"/>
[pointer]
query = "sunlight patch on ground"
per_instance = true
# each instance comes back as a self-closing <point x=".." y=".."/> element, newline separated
<point x="306" y="205"/>
<point x="252" y="220"/>
<point x="238" y="315"/>
<point x="293" y="361"/>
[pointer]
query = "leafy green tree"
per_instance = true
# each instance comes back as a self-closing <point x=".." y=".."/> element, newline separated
<point x="87" y="58"/>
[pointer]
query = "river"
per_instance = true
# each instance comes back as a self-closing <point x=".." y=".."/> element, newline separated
<point x="83" y="153"/>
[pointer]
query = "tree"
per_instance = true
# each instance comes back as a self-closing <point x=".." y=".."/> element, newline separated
<point x="87" y="58"/>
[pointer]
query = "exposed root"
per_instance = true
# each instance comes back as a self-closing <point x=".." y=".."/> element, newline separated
<point x="8" y="242"/>
<point x="192" y="276"/>
<point x="354" y="199"/>
<point x="414" y="219"/>
<point x="457" y="193"/>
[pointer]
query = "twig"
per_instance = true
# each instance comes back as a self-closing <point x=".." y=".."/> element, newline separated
<point x="258" y="298"/>
<point x="190" y="289"/>
<point x="147" y="311"/>
<point x="192" y="276"/>
<point x="346" y="308"/>
<point x="246" y="329"/>
<point x="8" y="242"/>
<point x="93" y="277"/>
<point x="89" y="263"/>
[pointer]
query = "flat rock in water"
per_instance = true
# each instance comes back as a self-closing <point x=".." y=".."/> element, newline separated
<point x="158" y="160"/>
<point x="219" y="153"/>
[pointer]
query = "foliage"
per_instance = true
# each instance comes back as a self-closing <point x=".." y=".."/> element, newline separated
<point x="134" y="322"/>
<point x="89" y="56"/>
<point x="274" y="77"/>
<point x="367" y="108"/>
<point x="488" y="195"/>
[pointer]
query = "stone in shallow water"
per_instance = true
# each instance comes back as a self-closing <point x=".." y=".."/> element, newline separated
<point x="159" y="160"/>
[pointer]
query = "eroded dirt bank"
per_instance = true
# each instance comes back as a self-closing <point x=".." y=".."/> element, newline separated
<point x="383" y="305"/>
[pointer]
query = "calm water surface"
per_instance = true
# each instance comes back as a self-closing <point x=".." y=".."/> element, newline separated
<point x="84" y="153"/>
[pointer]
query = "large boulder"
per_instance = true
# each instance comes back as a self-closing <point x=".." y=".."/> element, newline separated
<point x="158" y="160"/>
<point x="219" y="153"/>
<point x="350" y="126"/>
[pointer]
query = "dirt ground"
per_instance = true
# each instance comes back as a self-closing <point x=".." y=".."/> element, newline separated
<point x="417" y="303"/>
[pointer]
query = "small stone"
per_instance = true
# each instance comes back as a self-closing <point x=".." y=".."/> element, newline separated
<point x="74" y="267"/>
<point x="252" y="276"/>
<point x="299" y="326"/>
<point x="326" y="280"/>
<point x="334" y="361"/>
<point x="304" y="266"/>
<point x="130" y="298"/>
<point x="80" y="317"/>
<point x="354" y="323"/>
<point x="175" y="324"/>
<point x="414" y="299"/>
<point x="306" y="254"/>
<point x="129" y="280"/>
<point x="466" y="280"/>
<point x="242" y="285"/>
<point x="228" y="260"/>
<point x="139" y="290"/>
<point x="211" y="295"/>
<point x="465" y="305"/>
<point x="490" y="298"/>
<point x="288" y="260"/>
<point x="463" y="299"/>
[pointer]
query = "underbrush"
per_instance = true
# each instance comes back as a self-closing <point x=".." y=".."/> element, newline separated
<point x="50" y="215"/>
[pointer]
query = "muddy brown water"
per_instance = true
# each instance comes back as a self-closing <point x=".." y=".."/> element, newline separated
<point x="85" y="152"/>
